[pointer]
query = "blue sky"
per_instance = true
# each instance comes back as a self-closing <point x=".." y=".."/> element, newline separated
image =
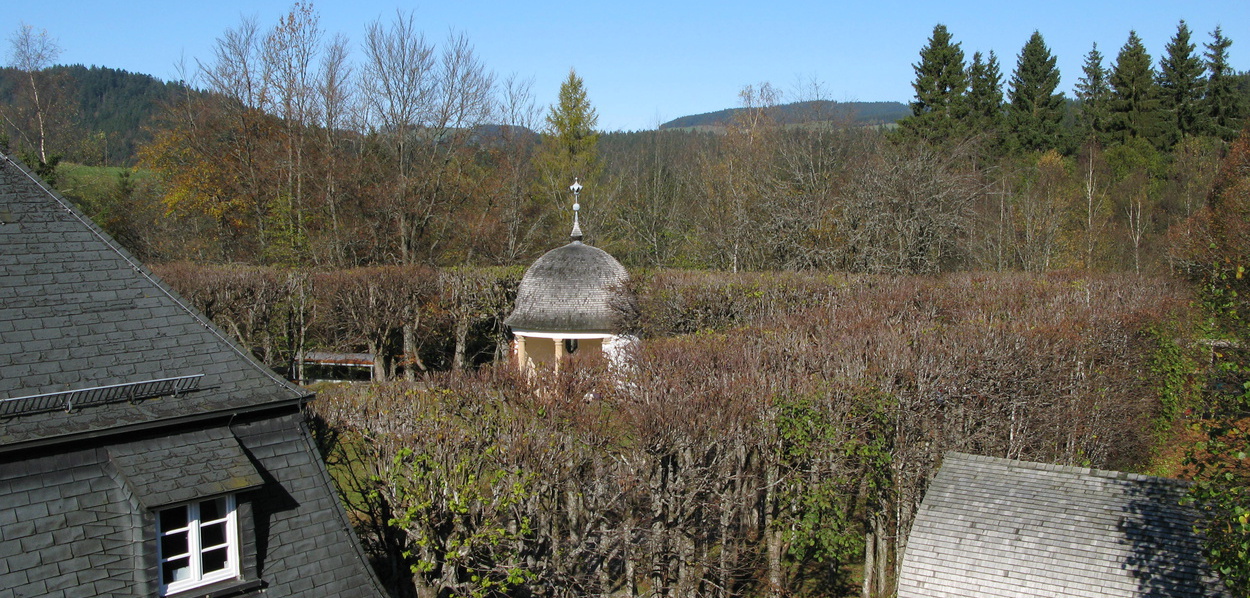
<point x="645" y="62"/>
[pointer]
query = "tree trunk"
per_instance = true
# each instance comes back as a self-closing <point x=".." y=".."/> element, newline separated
<point x="882" y="560"/>
<point x="772" y="537"/>
<point x="870" y="552"/>
<point x="462" y="339"/>
<point x="379" y="364"/>
<point x="658" y="560"/>
<point x="411" y="359"/>
<point x="627" y="557"/>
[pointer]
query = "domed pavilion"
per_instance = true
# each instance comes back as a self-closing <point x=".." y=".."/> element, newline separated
<point x="564" y="303"/>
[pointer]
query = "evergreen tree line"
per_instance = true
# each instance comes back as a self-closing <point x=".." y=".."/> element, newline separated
<point x="1189" y="95"/>
<point x="102" y="115"/>
<point x="1099" y="181"/>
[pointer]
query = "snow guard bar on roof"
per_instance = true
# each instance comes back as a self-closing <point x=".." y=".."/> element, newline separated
<point x="100" y="395"/>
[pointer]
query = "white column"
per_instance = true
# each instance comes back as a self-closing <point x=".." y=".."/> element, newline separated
<point x="522" y="360"/>
<point x="559" y="352"/>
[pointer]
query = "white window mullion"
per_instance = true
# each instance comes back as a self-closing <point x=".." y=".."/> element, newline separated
<point x="197" y="570"/>
<point x="225" y="535"/>
<point x="232" y="536"/>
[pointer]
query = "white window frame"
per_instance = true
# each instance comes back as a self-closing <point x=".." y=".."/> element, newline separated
<point x="196" y="549"/>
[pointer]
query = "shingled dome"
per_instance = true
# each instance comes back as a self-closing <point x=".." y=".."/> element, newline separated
<point x="568" y="289"/>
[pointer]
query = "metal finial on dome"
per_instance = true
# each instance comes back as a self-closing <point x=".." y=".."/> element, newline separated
<point x="576" y="188"/>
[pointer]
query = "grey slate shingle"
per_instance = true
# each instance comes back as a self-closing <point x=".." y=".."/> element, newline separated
<point x="997" y="527"/>
<point x="568" y="289"/>
<point x="176" y="468"/>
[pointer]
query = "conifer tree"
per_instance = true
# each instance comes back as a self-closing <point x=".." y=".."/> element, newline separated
<point x="985" y="95"/>
<point x="1093" y="96"/>
<point x="1181" y="88"/>
<point x="1220" y="105"/>
<point x="1035" y="112"/>
<point x="941" y="82"/>
<point x="1134" y="99"/>
<point x="569" y="143"/>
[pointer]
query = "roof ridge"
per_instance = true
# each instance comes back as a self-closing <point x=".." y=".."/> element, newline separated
<point x="1068" y="469"/>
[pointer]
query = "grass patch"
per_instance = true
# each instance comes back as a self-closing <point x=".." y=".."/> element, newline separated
<point x="98" y="191"/>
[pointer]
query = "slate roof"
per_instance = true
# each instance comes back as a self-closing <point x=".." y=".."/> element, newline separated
<point x="117" y="398"/>
<point x="997" y="527"/>
<point x="569" y="289"/>
<point x="79" y="312"/>
<point x="170" y="469"/>
<point x="71" y="530"/>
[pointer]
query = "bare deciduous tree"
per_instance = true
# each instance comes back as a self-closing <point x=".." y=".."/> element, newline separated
<point x="30" y="53"/>
<point x="904" y="211"/>
<point x="289" y="52"/>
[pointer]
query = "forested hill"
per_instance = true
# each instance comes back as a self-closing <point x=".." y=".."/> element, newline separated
<point x="857" y="113"/>
<point x="108" y="110"/>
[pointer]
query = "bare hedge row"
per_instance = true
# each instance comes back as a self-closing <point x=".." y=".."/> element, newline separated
<point x="771" y="430"/>
<point x="415" y="318"/>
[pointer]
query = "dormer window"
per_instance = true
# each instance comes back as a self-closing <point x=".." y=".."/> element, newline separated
<point x="198" y="544"/>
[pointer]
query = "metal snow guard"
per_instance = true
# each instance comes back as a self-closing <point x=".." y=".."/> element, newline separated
<point x="100" y="395"/>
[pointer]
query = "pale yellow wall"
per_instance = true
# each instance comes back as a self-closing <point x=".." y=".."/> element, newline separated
<point x="589" y="345"/>
<point x="541" y="351"/>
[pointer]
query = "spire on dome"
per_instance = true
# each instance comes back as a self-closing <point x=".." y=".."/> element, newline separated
<point x="576" y="188"/>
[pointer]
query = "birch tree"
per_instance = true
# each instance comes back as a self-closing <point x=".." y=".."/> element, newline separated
<point x="30" y="53"/>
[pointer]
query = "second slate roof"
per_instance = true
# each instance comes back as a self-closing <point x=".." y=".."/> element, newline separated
<point x="77" y="312"/>
<point x="168" y="469"/>
<point x="997" y="527"/>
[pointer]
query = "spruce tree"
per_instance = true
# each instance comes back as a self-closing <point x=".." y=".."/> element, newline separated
<point x="1181" y="88"/>
<point x="941" y="82"/>
<point x="1093" y="97"/>
<point x="572" y="120"/>
<point x="570" y="141"/>
<point x="1220" y="105"/>
<point x="1035" y="112"/>
<point x="569" y="144"/>
<point x="1134" y="100"/>
<point x="985" y="95"/>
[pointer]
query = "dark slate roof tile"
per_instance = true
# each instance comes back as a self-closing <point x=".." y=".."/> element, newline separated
<point x="85" y="573"/>
<point x="24" y="562"/>
<point x="107" y="587"/>
<point x="82" y="310"/>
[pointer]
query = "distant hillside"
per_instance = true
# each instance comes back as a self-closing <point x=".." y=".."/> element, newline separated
<point x="112" y="109"/>
<point x="855" y="113"/>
